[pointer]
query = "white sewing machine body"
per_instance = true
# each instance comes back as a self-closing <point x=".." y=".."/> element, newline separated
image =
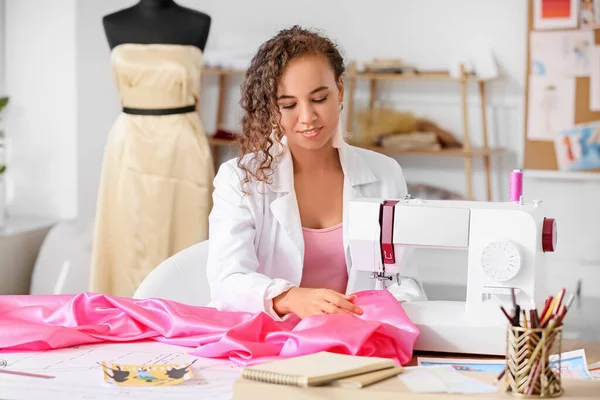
<point x="506" y="244"/>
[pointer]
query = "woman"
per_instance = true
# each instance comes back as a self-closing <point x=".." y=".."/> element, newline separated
<point x="277" y="237"/>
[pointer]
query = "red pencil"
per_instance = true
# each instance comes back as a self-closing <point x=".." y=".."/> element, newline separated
<point x="546" y="306"/>
<point x="561" y="315"/>
<point x="532" y="319"/>
<point x="500" y="376"/>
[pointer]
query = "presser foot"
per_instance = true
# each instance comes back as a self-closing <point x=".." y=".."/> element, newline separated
<point x="381" y="278"/>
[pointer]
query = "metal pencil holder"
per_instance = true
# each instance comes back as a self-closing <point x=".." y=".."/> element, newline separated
<point x="528" y="369"/>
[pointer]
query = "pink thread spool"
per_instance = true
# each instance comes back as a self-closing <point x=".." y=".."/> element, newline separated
<point x="516" y="185"/>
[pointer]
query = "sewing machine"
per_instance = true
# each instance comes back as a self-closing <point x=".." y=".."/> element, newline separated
<point x="507" y="243"/>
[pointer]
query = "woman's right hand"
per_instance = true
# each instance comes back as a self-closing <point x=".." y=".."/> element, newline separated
<point x="306" y="301"/>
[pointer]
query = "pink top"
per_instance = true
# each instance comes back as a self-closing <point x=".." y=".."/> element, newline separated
<point x="324" y="259"/>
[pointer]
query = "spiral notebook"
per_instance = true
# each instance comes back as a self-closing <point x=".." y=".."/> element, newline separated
<point x="314" y="369"/>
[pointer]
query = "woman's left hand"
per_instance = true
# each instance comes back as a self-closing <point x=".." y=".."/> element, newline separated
<point x="305" y="302"/>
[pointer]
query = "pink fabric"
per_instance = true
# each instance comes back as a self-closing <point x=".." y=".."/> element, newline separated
<point x="324" y="259"/>
<point x="41" y="322"/>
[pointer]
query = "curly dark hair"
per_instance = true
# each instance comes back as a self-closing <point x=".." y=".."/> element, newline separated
<point x="259" y="94"/>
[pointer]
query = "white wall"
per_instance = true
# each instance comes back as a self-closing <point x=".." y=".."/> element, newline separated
<point x="428" y="33"/>
<point x="2" y="35"/>
<point x="63" y="173"/>
<point x="98" y="100"/>
<point x="40" y="78"/>
<point x="386" y="28"/>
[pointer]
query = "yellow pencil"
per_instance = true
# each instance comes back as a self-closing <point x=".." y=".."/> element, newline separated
<point x="539" y="346"/>
<point x="550" y="309"/>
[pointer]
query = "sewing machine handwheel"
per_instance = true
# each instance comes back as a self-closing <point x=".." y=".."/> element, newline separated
<point x="549" y="235"/>
<point x="501" y="260"/>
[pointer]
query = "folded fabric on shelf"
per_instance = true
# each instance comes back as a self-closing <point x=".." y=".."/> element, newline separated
<point x="374" y="125"/>
<point x="229" y="58"/>
<point x="410" y="141"/>
<point x="43" y="322"/>
<point x="225" y="135"/>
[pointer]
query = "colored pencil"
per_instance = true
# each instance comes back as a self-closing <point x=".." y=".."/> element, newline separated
<point x="570" y="300"/>
<point x="500" y="376"/>
<point x="532" y="320"/>
<point x="513" y="297"/>
<point x="29" y="374"/>
<point x="559" y="300"/>
<point x="546" y="306"/>
<point x="551" y="317"/>
<point x="510" y="319"/>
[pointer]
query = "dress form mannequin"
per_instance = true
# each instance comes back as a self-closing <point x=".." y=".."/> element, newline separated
<point x="155" y="190"/>
<point x="157" y="21"/>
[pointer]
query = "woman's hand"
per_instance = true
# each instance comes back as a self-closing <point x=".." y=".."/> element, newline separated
<point x="305" y="302"/>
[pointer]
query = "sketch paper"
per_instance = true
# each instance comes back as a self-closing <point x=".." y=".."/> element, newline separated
<point x="147" y="374"/>
<point x="573" y="365"/>
<point x="555" y="14"/>
<point x="594" y="370"/>
<point x="589" y="13"/>
<point x="595" y="79"/>
<point x="561" y="53"/>
<point x="551" y="106"/>
<point x="467" y="365"/>
<point x="578" y="148"/>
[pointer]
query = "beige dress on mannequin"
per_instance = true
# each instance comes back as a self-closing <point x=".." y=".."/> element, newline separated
<point x="156" y="183"/>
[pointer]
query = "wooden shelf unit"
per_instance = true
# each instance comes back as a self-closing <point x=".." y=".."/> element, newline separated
<point x="467" y="151"/>
<point x="475" y="152"/>
<point x="408" y="76"/>
<point x="222" y="73"/>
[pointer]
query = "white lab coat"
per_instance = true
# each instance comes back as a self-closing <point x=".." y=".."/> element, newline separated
<point x="256" y="246"/>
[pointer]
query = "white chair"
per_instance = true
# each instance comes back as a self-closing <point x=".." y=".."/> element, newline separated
<point x="181" y="278"/>
<point x="62" y="265"/>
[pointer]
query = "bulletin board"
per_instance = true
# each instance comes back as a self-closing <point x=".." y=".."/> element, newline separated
<point x="541" y="154"/>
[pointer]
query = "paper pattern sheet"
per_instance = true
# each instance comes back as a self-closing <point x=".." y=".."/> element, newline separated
<point x="442" y="379"/>
<point x="78" y="373"/>
<point x="561" y="53"/>
<point x="551" y="106"/>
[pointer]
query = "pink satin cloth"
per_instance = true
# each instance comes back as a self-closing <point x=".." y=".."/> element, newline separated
<point x="42" y="322"/>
